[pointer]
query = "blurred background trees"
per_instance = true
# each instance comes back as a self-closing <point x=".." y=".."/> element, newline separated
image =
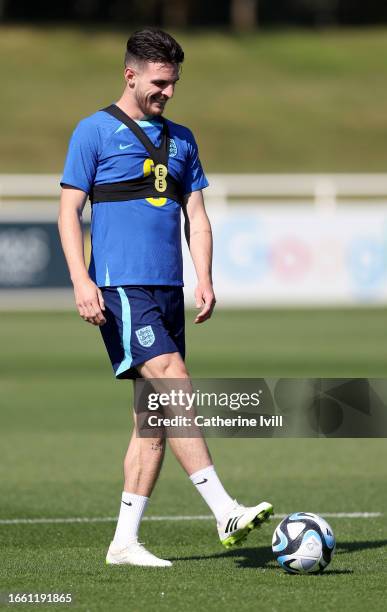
<point x="241" y="15"/>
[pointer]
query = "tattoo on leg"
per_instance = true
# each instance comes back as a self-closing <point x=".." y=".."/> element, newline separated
<point x="157" y="446"/>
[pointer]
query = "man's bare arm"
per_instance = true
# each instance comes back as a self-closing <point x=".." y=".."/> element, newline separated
<point x="88" y="296"/>
<point x="199" y="238"/>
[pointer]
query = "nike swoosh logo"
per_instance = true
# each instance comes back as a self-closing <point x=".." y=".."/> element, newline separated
<point x="202" y="481"/>
<point x="126" y="503"/>
<point x="122" y="147"/>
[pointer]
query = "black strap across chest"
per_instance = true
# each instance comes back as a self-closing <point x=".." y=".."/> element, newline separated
<point x="143" y="186"/>
<point x="158" y="154"/>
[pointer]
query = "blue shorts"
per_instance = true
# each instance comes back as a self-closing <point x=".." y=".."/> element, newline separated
<point x="142" y="322"/>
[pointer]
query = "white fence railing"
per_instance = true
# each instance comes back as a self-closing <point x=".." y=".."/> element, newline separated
<point x="321" y="189"/>
<point x="324" y="190"/>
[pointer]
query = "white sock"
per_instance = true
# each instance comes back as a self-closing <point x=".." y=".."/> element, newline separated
<point x="131" y="511"/>
<point x="212" y="491"/>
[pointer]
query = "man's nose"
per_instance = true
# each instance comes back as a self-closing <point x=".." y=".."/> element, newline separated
<point x="168" y="91"/>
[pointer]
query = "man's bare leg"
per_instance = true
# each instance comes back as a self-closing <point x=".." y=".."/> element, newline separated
<point x="192" y="453"/>
<point x="234" y="522"/>
<point x="145" y="455"/>
<point x="142" y="464"/>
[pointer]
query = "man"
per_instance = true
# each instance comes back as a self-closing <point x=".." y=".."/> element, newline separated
<point x="140" y="171"/>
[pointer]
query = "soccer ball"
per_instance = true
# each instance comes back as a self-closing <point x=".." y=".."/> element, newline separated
<point x="303" y="543"/>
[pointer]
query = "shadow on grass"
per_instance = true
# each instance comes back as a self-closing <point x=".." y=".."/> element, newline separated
<point x="263" y="557"/>
<point x="245" y="557"/>
<point x="350" y="547"/>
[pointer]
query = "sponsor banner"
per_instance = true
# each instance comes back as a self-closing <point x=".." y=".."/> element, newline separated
<point x="262" y="408"/>
<point x="297" y="255"/>
<point x="31" y="256"/>
<point x="279" y="255"/>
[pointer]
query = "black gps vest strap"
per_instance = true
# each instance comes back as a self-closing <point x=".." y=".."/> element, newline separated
<point x="158" y="154"/>
<point x="141" y="187"/>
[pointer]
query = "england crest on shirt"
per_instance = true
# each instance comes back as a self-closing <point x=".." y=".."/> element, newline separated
<point x="145" y="336"/>
<point x="172" y="148"/>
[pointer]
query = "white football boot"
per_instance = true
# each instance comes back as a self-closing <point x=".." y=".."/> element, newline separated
<point x="237" y="523"/>
<point x="134" y="554"/>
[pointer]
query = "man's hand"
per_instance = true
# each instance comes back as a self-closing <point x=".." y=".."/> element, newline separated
<point x="205" y="299"/>
<point x="89" y="301"/>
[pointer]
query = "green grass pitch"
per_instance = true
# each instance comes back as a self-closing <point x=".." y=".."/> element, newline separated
<point x="64" y="428"/>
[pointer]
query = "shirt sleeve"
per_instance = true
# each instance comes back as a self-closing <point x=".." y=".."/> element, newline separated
<point x="82" y="157"/>
<point x="194" y="177"/>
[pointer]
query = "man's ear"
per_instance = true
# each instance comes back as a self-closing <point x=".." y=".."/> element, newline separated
<point x="130" y="76"/>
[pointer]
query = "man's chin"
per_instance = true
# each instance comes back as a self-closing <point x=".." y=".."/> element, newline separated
<point x="156" y="109"/>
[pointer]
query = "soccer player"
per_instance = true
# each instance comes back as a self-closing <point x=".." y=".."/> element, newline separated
<point x="140" y="171"/>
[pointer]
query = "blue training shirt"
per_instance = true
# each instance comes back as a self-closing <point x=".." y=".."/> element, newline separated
<point x="135" y="242"/>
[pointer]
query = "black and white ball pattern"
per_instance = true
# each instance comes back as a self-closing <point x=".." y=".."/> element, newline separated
<point x="303" y="543"/>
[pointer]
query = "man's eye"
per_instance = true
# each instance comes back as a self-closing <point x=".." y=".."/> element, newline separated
<point x="163" y="83"/>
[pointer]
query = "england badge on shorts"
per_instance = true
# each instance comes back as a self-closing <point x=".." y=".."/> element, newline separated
<point x="145" y="336"/>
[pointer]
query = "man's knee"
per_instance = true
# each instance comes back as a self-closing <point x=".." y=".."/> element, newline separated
<point x="169" y="365"/>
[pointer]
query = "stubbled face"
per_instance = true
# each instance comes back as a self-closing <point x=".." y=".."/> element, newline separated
<point x="153" y="85"/>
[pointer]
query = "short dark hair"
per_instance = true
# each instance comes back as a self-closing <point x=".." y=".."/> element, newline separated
<point x="152" y="45"/>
